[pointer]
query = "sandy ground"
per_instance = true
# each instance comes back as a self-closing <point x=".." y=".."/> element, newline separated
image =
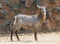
<point x="43" y="38"/>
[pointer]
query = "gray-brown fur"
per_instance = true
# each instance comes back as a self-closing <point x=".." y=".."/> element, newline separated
<point x="32" y="22"/>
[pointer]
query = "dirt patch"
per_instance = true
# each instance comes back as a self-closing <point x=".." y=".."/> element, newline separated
<point x="48" y="38"/>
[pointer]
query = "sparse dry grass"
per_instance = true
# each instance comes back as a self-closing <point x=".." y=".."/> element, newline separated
<point x="47" y="38"/>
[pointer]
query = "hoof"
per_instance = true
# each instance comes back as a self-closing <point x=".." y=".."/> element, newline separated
<point x="18" y="40"/>
<point x="36" y="40"/>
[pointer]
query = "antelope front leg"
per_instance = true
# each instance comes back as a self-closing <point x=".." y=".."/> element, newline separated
<point x="35" y="35"/>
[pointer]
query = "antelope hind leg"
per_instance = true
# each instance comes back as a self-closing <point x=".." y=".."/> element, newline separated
<point x="11" y="35"/>
<point x="17" y="35"/>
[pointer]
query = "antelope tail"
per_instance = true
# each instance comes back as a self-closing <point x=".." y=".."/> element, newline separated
<point x="15" y="20"/>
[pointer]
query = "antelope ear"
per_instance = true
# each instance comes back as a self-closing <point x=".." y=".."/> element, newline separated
<point x="38" y="6"/>
<point x="1" y="6"/>
<point x="41" y="6"/>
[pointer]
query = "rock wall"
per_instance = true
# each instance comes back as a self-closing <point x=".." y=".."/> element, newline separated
<point x="28" y="7"/>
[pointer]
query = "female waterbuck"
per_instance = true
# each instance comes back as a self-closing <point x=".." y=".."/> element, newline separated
<point x="32" y="22"/>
